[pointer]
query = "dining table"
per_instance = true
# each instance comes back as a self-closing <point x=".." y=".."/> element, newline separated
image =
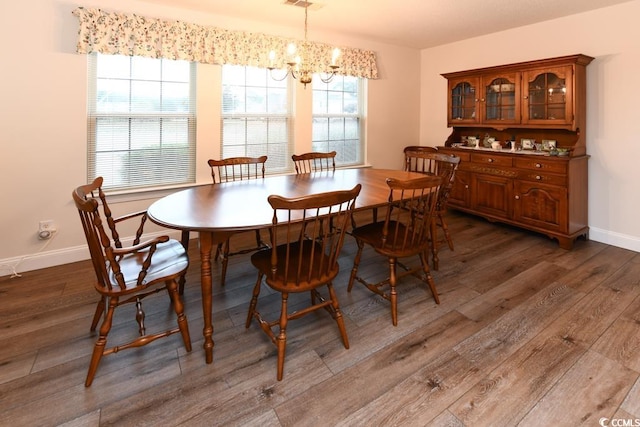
<point x="217" y="211"/>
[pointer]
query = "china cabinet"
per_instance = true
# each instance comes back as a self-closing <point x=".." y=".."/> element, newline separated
<point x="537" y="101"/>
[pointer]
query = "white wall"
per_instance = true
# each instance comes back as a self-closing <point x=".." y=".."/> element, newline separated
<point x="43" y="119"/>
<point x="612" y="36"/>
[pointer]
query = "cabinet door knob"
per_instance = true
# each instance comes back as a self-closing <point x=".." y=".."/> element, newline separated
<point x="466" y="186"/>
<point x="538" y="177"/>
<point x="517" y="197"/>
<point x="490" y="160"/>
<point x="538" y="165"/>
<point x="526" y="97"/>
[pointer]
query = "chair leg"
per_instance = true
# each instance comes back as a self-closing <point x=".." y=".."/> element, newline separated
<point x="338" y="315"/>
<point x="434" y="242"/>
<point x="98" y="348"/>
<point x="393" y="294"/>
<point x="172" y="288"/>
<point x="185" y="244"/>
<point x="281" y="339"/>
<point x="97" y="314"/>
<point x="445" y="228"/>
<point x="356" y="263"/>
<point x="254" y="301"/>
<point x="218" y="252"/>
<point x="225" y="262"/>
<point x="429" y="279"/>
<point x="259" y="243"/>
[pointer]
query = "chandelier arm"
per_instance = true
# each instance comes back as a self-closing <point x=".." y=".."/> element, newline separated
<point x="273" y="77"/>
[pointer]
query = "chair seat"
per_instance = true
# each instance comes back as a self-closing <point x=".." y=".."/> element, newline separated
<point x="372" y="235"/>
<point x="262" y="261"/>
<point x="170" y="259"/>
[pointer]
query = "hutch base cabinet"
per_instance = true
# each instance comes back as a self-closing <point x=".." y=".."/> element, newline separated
<point x="519" y="131"/>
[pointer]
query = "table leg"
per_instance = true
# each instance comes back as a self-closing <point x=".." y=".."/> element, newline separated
<point x="208" y="240"/>
<point x="206" y="244"/>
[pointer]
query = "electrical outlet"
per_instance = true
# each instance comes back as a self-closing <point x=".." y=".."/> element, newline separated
<point x="46" y="229"/>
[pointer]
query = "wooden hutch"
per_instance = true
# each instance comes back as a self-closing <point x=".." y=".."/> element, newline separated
<point x="530" y="188"/>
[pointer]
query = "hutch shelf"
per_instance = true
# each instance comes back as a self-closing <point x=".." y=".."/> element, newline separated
<point x="522" y="106"/>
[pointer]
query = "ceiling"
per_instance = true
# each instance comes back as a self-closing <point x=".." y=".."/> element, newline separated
<point x="411" y="23"/>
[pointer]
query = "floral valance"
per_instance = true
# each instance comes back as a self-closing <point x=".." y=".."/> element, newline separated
<point x="134" y="35"/>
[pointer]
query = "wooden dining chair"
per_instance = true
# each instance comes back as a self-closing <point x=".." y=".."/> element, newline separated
<point x="403" y="233"/>
<point x="127" y="274"/>
<point x="236" y="169"/>
<point x="314" y="162"/>
<point x="444" y="165"/>
<point x="299" y="262"/>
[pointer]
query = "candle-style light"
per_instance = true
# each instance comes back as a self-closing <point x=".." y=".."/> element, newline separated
<point x="296" y="64"/>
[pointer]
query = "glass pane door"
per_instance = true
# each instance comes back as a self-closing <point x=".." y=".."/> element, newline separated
<point x="463" y="102"/>
<point x="547" y="97"/>
<point x="500" y="100"/>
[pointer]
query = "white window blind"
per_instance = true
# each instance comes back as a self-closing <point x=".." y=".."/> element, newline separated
<point x="142" y="121"/>
<point x="256" y="117"/>
<point x="337" y="118"/>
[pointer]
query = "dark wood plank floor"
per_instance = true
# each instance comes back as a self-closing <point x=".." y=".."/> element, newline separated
<point x="527" y="334"/>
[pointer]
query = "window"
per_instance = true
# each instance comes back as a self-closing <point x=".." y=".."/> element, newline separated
<point x="256" y="116"/>
<point x="337" y="118"/>
<point x="142" y="121"/>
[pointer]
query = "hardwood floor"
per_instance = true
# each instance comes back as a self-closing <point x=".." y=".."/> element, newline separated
<point x="527" y="334"/>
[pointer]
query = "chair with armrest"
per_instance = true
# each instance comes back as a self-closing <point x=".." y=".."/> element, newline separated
<point x="403" y="233"/>
<point x="127" y="274"/>
<point x="299" y="263"/>
<point x="236" y="169"/>
<point x="314" y="162"/>
<point x="444" y="165"/>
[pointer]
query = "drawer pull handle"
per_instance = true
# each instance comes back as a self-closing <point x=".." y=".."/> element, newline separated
<point x="538" y="165"/>
<point x="490" y="160"/>
<point x="538" y="177"/>
<point x="517" y="197"/>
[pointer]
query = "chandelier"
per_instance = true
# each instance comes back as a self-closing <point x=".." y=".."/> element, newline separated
<point x="299" y="62"/>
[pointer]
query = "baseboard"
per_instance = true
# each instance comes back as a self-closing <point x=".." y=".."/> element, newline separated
<point x="45" y="259"/>
<point x="615" y="239"/>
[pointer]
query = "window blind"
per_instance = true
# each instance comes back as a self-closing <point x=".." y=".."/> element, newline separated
<point x="256" y="117"/>
<point x="337" y="118"/>
<point x="141" y="121"/>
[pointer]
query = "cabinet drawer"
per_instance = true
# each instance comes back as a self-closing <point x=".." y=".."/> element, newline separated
<point x="541" y="165"/>
<point x="464" y="156"/>
<point x="491" y="159"/>
<point x="546" y="178"/>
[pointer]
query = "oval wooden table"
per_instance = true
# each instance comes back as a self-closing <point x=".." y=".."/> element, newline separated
<point x="216" y="211"/>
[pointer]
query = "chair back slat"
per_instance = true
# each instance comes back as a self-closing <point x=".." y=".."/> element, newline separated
<point x="309" y="233"/>
<point x="314" y="162"/>
<point x="408" y="218"/>
<point x="237" y="168"/>
<point x="414" y="160"/>
<point x="98" y="241"/>
<point x="434" y="163"/>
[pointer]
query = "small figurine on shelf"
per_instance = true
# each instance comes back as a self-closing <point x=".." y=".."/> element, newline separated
<point x="486" y="141"/>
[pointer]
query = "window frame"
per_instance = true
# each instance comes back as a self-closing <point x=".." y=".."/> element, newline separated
<point x="280" y="162"/>
<point x="359" y="115"/>
<point x="94" y="116"/>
